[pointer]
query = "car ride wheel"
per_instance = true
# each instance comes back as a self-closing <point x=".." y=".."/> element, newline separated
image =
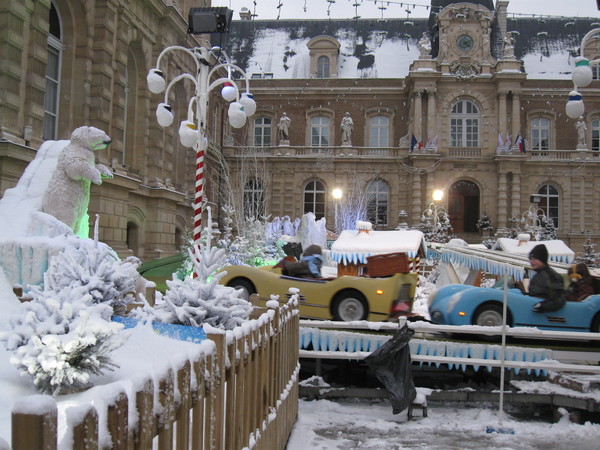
<point x="349" y="306"/>
<point x="245" y="285"/>
<point x="488" y="316"/>
<point x="596" y="324"/>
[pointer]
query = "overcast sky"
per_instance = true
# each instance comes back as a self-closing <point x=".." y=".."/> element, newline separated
<point x="344" y="9"/>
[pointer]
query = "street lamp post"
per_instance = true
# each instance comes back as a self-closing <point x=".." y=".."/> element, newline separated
<point x="582" y="76"/>
<point x="434" y="211"/>
<point x="192" y="131"/>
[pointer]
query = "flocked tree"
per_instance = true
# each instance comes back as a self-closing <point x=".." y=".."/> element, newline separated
<point x="547" y="230"/>
<point x="65" y="334"/>
<point x="589" y="256"/>
<point x="200" y="300"/>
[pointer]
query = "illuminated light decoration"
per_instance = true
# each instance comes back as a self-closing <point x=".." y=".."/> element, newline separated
<point x="582" y="74"/>
<point x="461" y="313"/>
<point x="188" y="133"/>
<point x="247" y="100"/>
<point x="379" y="291"/>
<point x="229" y="91"/>
<point x="164" y="116"/>
<point x="156" y="81"/>
<point x="575" y="106"/>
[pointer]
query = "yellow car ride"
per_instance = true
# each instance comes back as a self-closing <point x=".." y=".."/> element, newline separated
<point x="344" y="298"/>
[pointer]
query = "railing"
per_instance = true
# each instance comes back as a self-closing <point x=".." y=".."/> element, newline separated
<point x="320" y="152"/>
<point x="464" y="152"/>
<point x="242" y="394"/>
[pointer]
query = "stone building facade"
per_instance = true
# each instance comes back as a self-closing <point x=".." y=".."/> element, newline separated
<point x="467" y="118"/>
<point x="69" y="63"/>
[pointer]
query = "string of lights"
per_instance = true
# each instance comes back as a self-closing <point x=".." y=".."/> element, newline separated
<point x="409" y="7"/>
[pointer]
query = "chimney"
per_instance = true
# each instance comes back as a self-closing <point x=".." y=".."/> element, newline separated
<point x="501" y="8"/>
<point x="245" y="14"/>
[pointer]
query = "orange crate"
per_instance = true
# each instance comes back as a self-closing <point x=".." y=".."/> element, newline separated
<point x="388" y="264"/>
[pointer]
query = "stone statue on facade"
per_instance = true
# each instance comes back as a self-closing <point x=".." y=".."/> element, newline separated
<point x="346" y="126"/>
<point x="581" y="131"/>
<point x="509" y="46"/>
<point x="284" y="129"/>
<point x="424" y="45"/>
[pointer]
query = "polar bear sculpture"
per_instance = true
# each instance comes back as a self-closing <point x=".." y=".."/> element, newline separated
<point x="68" y="192"/>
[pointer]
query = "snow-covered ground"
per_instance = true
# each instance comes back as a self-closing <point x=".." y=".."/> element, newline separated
<point x="370" y="424"/>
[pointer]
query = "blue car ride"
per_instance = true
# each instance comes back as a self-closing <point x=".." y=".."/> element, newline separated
<point x="459" y="304"/>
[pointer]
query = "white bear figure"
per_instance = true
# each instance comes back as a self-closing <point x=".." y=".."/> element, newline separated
<point x="68" y="192"/>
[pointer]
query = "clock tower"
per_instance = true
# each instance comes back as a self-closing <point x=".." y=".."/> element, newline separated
<point x="463" y="36"/>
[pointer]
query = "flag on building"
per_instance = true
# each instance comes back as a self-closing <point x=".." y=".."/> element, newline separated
<point x="520" y="144"/>
<point x="413" y="143"/>
<point x="500" y="147"/>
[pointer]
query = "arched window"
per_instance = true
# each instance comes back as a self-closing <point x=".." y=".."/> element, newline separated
<point x="596" y="134"/>
<point x="314" y="199"/>
<point x="51" y="97"/>
<point x="464" y="124"/>
<point x="319" y="131"/>
<point x="254" y="199"/>
<point x="377" y="202"/>
<point x="540" y="134"/>
<point x="550" y="202"/>
<point x="262" y="131"/>
<point x="379" y="131"/>
<point x="323" y="67"/>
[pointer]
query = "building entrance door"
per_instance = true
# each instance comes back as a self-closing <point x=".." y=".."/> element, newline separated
<point x="463" y="206"/>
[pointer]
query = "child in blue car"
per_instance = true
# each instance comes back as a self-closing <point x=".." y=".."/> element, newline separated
<point x="546" y="283"/>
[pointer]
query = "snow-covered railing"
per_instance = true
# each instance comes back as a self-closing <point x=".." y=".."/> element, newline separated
<point x="244" y="394"/>
<point x="333" y="340"/>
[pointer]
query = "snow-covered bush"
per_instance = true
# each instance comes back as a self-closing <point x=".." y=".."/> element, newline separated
<point x="200" y="300"/>
<point x="95" y="267"/>
<point x="62" y="338"/>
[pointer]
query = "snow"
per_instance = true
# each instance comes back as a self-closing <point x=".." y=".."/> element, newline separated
<point x="357" y="245"/>
<point x="557" y="249"/>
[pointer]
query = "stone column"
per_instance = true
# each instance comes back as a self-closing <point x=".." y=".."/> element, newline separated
<point x="502" y="201"/>
<point x="502" y="113"/>
<point x="516" y="195"/>
<point x="516" y="116"/>
<point x="415" y="214"/>
<point x="431" y="122"/>
<point x="418" y="116"/>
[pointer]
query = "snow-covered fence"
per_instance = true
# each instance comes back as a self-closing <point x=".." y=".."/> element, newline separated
<point x="242" y="394"/>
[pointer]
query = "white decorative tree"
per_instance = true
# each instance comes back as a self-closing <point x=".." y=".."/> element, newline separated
<point x="62" y="338"/>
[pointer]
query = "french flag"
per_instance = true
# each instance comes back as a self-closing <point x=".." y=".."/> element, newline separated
<point x="520" y="144"/>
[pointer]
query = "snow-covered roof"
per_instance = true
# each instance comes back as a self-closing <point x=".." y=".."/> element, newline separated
<point x="353" y="247"/>
<point x="371" y="48"/>
<point x="557" y="250"/>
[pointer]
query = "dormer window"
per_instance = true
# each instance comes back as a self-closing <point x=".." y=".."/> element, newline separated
<point x="324" y="51"/>
<point x="323" y="67"/>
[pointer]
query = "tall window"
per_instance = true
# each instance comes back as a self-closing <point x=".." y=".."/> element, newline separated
<point x="550" y="202"/>
<point x="319" y="131"/>
<point x="596" y="134"/>
<point x="379" y="131"/>
<point x="314" y="199"/>
<point x="540" y="134"/>
<point x="262" y="132"/>
<point x="51" y="96"/>
<point x="464" y="124"/>
<point x="595" y="71"/>
<point x="323" y="67"/>
<point x="377" y="202"/>
<point x="253" y="199"/>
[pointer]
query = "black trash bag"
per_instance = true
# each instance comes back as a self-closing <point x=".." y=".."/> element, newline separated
<point x="392" y="366"/>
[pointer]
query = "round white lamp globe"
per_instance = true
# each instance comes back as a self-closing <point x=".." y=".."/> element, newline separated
<point x="164" y="116"/>
<point x="156" y="81"/>
<point x="247" y="100"/>
<point x="237" y="116"/>
<point x="575" y="106"/>
<point x="188" y="133"/>
<point x="229" y="91"/>
<point x="582" y="74"/>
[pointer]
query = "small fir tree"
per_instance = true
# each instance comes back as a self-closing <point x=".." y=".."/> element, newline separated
<point x="589" y="256"/>
<point x="547" y="231"/>
<point x="484" y="223"/>
<point x="62" y="338"/>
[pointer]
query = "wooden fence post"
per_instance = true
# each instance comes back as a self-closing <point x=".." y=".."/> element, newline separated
<point x="198" y="399"/>
<point x="166" y="397"/>
<point x="146" y="427"/>
<point x="183" y="411"/>
<point x="34" y="423"/>
<point x="85" y="431"/>
<point x="217" y="394"/>
<point x="116" y="421"/>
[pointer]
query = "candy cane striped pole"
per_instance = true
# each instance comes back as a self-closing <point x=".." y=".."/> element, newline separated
<point x="199" y="193"/>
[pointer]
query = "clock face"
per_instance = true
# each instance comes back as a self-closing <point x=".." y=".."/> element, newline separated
<point x="464" y="43"/>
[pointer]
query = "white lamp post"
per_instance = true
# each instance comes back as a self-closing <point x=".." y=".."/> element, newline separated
<point x="434" y="211"/>
<point x="337" y="196"/>
<point x="582" y="76"/>
<point x="192" y="131"/>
